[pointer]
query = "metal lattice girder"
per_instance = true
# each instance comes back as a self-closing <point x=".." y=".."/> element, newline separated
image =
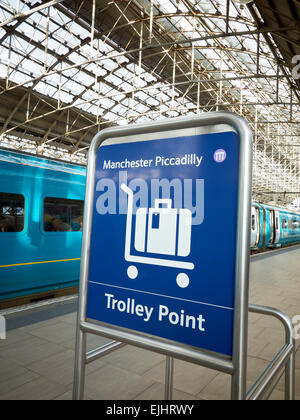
<point x="69" y="68"/>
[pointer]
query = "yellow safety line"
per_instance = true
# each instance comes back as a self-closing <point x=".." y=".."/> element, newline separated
<point x="38" y="262"/>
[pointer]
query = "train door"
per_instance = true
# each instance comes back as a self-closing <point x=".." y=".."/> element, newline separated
<point x="276" y="228"/>
<point x="254" y="227"/>
<point x="272" y="226"/>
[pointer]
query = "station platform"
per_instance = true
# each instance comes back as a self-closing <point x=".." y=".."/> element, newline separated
<point x="37" y="357"/>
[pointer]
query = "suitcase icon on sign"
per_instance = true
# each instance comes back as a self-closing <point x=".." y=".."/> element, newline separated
<point x="160" y="230"/>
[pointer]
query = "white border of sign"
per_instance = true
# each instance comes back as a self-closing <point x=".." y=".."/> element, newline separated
<point x="235" y="367"/>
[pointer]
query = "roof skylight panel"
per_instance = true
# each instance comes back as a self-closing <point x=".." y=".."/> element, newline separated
<point x="121" y="121"/>
<point x="148" y="77"/>
<point x="211" y="54"/>
<point x="72" y="73"/>
<point x="50" y="24"/>
<point x="181" y="7"/>
<point x="76" y="89"/>
<point x="121" y="59"/>
<point x="2" y="32"/>
<point x="250" y="44"/>
<point x="239" y="26"/>
<point x="114" y="80"/>
<point x="219" y="25"/>
<point x="26" y="28"/>
<point x="60" y="17"/>
<point x="39" y="56"/>
<point x="85" y="106"/>
<point x="65" y="38"/>
<point x="221" y="7"/>
<point x="57" y="47"/>
<point x="110" y="116"/>
<point x="3" y="68"/>
<point x="104" y="48"/>
<point x="84" y="79"/>
<point x="172" y="113"/>
<point x="77" y="30"/>
<point x="140" y="108"/>
<point x="138" y="82"/>
<point x="109" y="64"/>
<point x="112" y="93"/>
<point x="124" y="86"/>
<point x="144" y="119"/>
<point x="86" y="51"/>
<point x="205" y="6"/>
<point x="34" y="32"/>
<point x="15" y="59"/>
<point x="104" y="89"/>
<point x="17" y="46"/>
<point x="77" y="58"/>
<point x="5" y="14"/>
<point x="89" y="95"/>
<point x="4" y="53"/>
<point x="107" y="103"/>
<point x="120" y="109"/>
<point x="53" y="78"/>
<point x="95" y="69"/>
<point x="19" y="6"/>
<point x="123" y="74"/>
<point x="18" y="76"/>
<point x="142" y="95"/>
<point x="132" y="68"/>
<point x="171" y="92"/>
<point x="94" y="109"/>
<point x="163" y="97"/>
<point x="235" y="42"/>
<point x="67" y="84"/>
<point x="246" y="62"/>
<point x="166" y="6"/>
<point x="46" y="88"/>
<point x="186" y="24"/>
<point x="176" y="22"/>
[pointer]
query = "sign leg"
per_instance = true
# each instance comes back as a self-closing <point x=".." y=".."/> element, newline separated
<point x="169" y="378"/>
<point x="79" y="372"/>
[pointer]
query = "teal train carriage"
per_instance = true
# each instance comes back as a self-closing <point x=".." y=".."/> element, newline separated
<point x="41" y="210"/>
<point x="272" y="227"/>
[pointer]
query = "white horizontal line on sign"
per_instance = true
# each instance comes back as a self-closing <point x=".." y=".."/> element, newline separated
<point x="166" y="296"/>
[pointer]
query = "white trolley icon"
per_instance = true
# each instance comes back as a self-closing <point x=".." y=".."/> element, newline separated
<point x="157" y="234"/>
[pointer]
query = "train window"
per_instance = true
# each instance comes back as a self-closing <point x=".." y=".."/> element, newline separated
<point x="253" y="222"/>
<point x="284" y="224"/>
<point x="12" y="209"/>
<point x="62" y="215"/>
<point x="295" y="224"/>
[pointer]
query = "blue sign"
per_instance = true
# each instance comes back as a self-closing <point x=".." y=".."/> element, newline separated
<point x="163" y="244"/>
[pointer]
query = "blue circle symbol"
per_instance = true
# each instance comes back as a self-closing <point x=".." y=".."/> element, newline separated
<point x="220" y="155"/>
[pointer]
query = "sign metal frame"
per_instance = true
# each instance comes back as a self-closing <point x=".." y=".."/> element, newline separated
<point x="235" y="366"/>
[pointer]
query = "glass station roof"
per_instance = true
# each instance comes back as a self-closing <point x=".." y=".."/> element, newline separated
<point x="68" y="69"/>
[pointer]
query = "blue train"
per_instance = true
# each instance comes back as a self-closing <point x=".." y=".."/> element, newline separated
<point x="273" y="227"/>
<point x="41" y="210"/>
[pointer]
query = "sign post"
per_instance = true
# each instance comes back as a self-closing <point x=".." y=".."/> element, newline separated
<point x="165" y="254"/>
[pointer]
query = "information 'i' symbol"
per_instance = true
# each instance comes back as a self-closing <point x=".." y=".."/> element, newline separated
<point x="220" y="155"/>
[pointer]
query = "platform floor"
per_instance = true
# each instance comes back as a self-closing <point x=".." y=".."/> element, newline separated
<point x="37" y="357"/>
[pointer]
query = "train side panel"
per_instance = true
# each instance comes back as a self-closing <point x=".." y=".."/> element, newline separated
<point x="34" y="260"/>
<point x="272" y="227"/>
<point x="257" y="226"/>
<point x="290" y="227"/>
